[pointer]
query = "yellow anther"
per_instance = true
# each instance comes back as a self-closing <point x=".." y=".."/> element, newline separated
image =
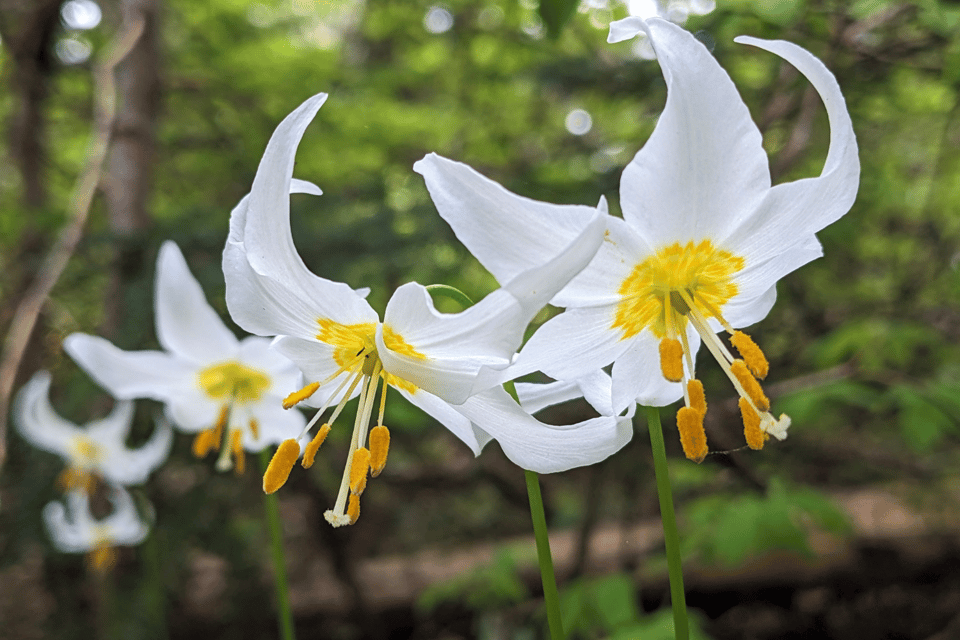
<point x="358" y="470"/>
<point x="671" y="359"/>
<point x="750" y="385"/>
<point x="239" y="458"/>
<point x="751" y="354"/>
<point x="692" y="436"/>
<point x="102" y="558"/>
<point x="71" y="478"/>
<point x="281" y="465"/>
<point x="698" y="399"/>
<point x="299" y="396"/>
<point x="379" y="445"/>
<point x="751" y="426"/>
<point x="353" y="507"/>
<point x="311" y="451"/>
<point x="255" y="428"/>
<point x="204" y="443"/>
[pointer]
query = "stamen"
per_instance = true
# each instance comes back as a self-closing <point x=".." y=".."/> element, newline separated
<point x="255" y="428"/>
<point x="353" y="508"/>
<point x="203" y="444"/>
<point x="339" y="519"/>
<point x="281" y="465"/>
<point x="751" y="426"/>
<point x="311" y="451"/>
<point x="102" y="558"/>
<point x="359" y="466"/>
<point x="776" y="428"/>
<point x="696" y="398"/>
<point x="353" y="379"/>
<point x="750" y="385"/>
<point x="299" y="396"/>
<point x="221" y="425"/>
<point x="751" y="354"/>
<point x="692" y="436"/>
<point x="236" y="443"/>
<point x="379" y="445"/>
<point x="671" y="359"/>
<point x="71" y="478"/>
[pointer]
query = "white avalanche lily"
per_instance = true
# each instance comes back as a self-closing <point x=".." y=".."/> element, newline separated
<point x="449" y="365"/>
<point x="703" y="240"/>
<point x="226" y="391"/>
<point x="74" y="529"/>
<point x="97" y="451"/>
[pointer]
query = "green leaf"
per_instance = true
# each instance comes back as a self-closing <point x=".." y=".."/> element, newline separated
<point x="452" y="293"/>
<point x="556" y="14"/>
<point x="615" y="599"/>
<point x="922" y="423"/>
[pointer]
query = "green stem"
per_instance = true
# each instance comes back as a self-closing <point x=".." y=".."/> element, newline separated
<point x="157" y="597"/>
<point x="550" y="596"/>
<point x="669" y="519"/>
<point x="284" y="612"/>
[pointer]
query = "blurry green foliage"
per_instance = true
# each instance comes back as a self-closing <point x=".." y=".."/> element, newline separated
<point x="490" y="587"/>
<point x="730" y="528"/>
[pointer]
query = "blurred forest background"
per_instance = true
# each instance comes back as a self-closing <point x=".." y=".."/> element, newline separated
<point x="848" y="529"/>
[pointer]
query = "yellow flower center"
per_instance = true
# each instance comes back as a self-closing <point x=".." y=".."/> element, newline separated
<point x="691" y="283"/>
<point x="234" y="382"/>
<point x="355" y="352"/>
<point x="654" y="293"/>
<point x="85" y="458"/>
<point x="233" y="385"/>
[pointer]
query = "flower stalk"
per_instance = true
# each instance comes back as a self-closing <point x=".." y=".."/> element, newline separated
<point x="550" y="596"/>
<point x="669" y="519"/>
<point x="272" y="508"/>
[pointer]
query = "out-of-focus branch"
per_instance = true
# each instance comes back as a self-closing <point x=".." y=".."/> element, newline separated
<point x="25" y="317"/>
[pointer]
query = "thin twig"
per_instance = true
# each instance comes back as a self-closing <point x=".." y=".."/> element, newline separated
<point x="28" y="311"/>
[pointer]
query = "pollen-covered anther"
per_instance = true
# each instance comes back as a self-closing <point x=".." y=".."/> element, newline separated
<point x="239" y="457"/>
<point x="692" y="436"/>
<point x="379" y="445"/>
<point x="70" y="479"/>
<point x="359" y="467"/>
<point x="671" y="359"/>
<point x="299" y="396"/>
<point x="218" y="429"/>
<point x="754" y="435"/>
<point x="696" y="395"/>
<point x="255" y="428"/>
<point x="751" y="354"/>
<point x="204" y="443"/>
<point x="353" y="508"/>
<point x="102" y="558"/>
<point x="310" y="453"/>
<point x="750" y="385"/>
<point x="281" y="465"/>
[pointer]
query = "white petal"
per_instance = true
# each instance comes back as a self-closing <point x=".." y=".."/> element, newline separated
<point x="115" y="427"/>
<point x="637" y="377"/>
<point x="187" y="325"/>
<point x="36" y="420"/>
<point x="66" y="532"/>
<point x="316" y="361"/>
<point x="595" y="388"/>
<point x="507" y="233"/>
<point x="743" y="312"/>
<point x="757" y="278"/>
<point x="793" y="211"/>
<point x="133" y="466"/>
<point x="130" y="374"/>
<point x="573" y="344"/>
<point x="192" y="410"/>
<point x="267" y="241"/>
<point x="257" y="353"/>
<point x="540" y="447"/>
<point x="703" y="168"/>
<point x="599" y="283"/>
<point x="455" y="347"/>
<point x="124" y="525"/>
<point x="446" y="415"/>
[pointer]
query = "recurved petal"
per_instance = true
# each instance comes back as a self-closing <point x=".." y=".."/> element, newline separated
<point x="444" y="353"/>
<point x="458" y="424"/>
<point x="595" y="388"/>
<point x="124" y="524"/>
<point x="187" y="325"/>
<point x="36" y="420"/>
<point x="791" y="212"/>
<point x="507" y="233"/>
<point x="66" y="531"/>
<point x="703" y="168"/>
<point x="540" y="447"/>
<point x="126" y="467"/>
<point x="130" y="374"/>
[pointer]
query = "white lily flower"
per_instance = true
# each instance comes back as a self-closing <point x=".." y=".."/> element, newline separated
<point x="703" y="240"/>
<point x="449" y="365"/>
<point x="225" y="390"/>
<point x="74" y="529"/>
<point x="97" y="451"/>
